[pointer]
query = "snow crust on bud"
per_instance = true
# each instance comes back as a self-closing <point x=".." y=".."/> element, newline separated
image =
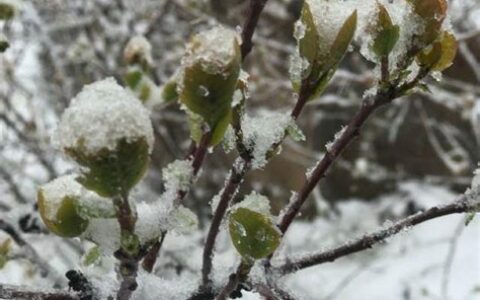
<point x="137" y="50"/>
<point x="102" y="115"/>
<point x="210" y="49"/>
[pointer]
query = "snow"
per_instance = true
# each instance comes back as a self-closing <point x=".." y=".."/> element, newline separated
<point x="254" y="202"/>
<point x="101" y="115"/>
<point x="329" y="17"/>
<point x="262" y="131"/>
<point x="408" y="263"/>
<point x="213" y="49"/>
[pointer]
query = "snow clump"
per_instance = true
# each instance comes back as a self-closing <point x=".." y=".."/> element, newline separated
<point x="100" y="116"/>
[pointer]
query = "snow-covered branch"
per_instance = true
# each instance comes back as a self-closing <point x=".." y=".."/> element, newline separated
<point x="469" y="202"/>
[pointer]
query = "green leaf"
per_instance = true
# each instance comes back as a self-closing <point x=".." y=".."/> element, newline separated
<point x="310" y="44"/>
<point x="337" y="52"/>
<point x="92" y="256"/>
<point x="440" y="55"/>
<point x="132" y="79"/>
<point x="5" y="247"/>
<point x="433" y="13"/>
<point x="145" y="92"/>
<point x="343" y="40"/>
<point x="469" y="218"/>
<point x="169" y="91"/>
<point x="67" y="222"/>
<point x="111" y="173"/>
<point x="387" y="34"/>
<point x="253" y="234"/>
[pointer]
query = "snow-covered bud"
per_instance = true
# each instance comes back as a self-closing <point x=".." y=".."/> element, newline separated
<point x="323" y="33"/>
<point x="432" y="13"/>
<point x="58" y="203"/>
<point x="252" y="231"/>
<point x="209" y="75"/>
<point x="109" y="133"/>
<point x="138" y="51"/>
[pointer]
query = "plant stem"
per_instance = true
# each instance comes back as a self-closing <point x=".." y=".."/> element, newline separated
<point x="128" y="254"/>
<point x="25" y="293"/>
<point x="197" y="156"/>
<point x="254" y="11"/>
<point x="462" y="205"/>
<point x="234" y="179"/>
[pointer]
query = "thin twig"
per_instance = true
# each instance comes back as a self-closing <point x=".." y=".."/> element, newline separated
<point x="254" y="11"/>
<point x="128" y="254"/>
<point x="25" y="293"/>
<point x="450" y="256"/>
<point x="235" y="178"/>
<point x="462" y="205"/>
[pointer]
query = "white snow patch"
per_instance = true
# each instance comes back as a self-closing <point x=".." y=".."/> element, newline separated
<point x="101" y="115"/>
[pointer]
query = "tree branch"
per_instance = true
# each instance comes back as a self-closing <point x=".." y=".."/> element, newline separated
<point x="254" y="11"/>
<point x="347" y="135"/>
<point x="25" y="293"/>
<point x="465" y="203"/>
<point x="235" y="177"/>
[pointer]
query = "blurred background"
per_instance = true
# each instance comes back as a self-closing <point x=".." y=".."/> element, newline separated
<point x="425" y="145"/>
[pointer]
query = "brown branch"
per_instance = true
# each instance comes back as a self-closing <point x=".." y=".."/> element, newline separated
<point x="254" y="11"/>
<point x="236" y="176"/>
<point x="463" y="204"/>
<point x="197" y="155"/>
<point x="349" y="133"/>
<point x="151" y="257"/>
<point x="369" y="105"/>
<point x="25" y="293"/>
<point x="128" y="254"/>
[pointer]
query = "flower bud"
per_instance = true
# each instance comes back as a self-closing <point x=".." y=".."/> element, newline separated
<point x="208" y="77"/>
<point x="109" y="133"/>
<point x="58" y="203"/>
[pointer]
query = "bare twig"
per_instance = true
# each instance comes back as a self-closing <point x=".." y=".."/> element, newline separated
<point x="128" y="254"/>
<point x="450" y="256"/>
<point x="25" y="293"/>
<point x="462" y="205"/>
<point x="254" y="11"/>
<point x="347" y="135"/>
<point x="235" y="177"/>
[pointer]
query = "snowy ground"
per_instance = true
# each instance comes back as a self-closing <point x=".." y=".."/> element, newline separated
<point x="439" y="259"/>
